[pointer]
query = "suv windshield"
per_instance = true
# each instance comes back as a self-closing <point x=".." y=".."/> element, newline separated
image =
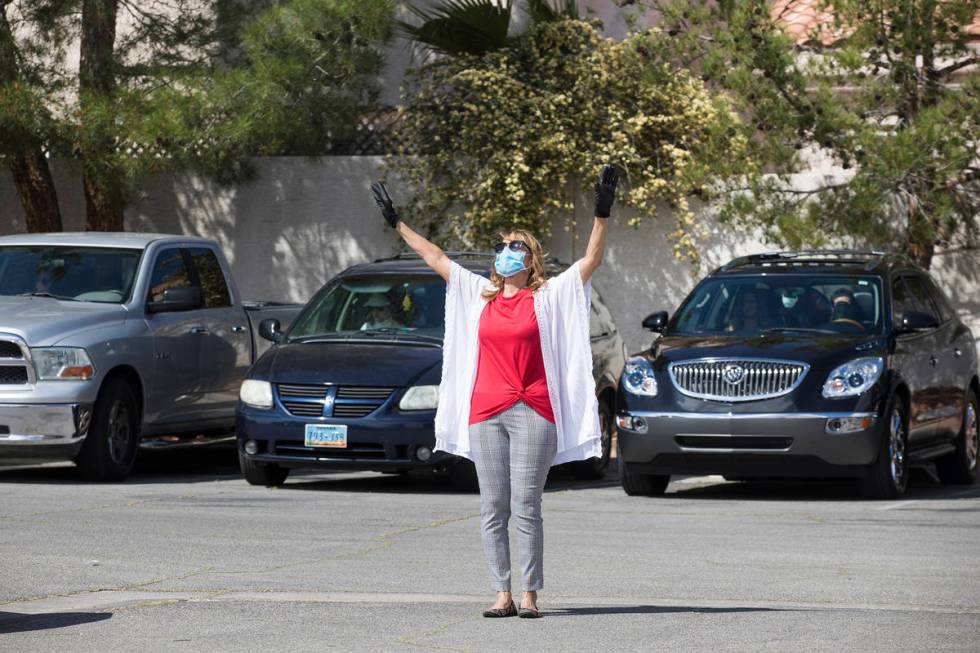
<point x="84" y="274"/>
<point x="379" y="304"/>
<point x="750" y="305"/>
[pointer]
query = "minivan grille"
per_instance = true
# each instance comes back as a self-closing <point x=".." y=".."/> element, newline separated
<point x="349" y="402"/>
<point x="736" y="379"/>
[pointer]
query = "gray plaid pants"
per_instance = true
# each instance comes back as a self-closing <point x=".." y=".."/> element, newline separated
<point x="513" y="452"/>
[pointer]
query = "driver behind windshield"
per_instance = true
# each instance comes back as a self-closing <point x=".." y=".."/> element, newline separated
<point x="379" y="313"/>
<point x="846" y="310"/>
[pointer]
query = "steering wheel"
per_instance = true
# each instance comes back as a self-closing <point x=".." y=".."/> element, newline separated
<point x="848" y="321"/>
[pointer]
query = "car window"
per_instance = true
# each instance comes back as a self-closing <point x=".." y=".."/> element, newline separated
<point x="85" y="274"/>
<point x="751" y="304"/>
<point x="169" y="271"/>
<point x="382" y="302"/>
<point x="946" y="310"/>
<point x="902" y="299"/>
<point x="212" y="279"/>
<point x="917" y="286"/>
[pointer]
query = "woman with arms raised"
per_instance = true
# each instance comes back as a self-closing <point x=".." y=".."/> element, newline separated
<point x="517" y="394"/>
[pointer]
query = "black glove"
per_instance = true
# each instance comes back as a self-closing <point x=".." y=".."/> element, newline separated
<point x="605" y="191"/>
<point x="384" y="203"/>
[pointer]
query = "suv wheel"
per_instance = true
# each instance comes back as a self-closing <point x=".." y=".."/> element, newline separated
<point x="110" y="447"/>
<point x="960" y="467"/>
<point x="638" y="484"/>
<point x="266" y="474"/>
<point x="889" y="475"/>
<point x="595" y="468"/>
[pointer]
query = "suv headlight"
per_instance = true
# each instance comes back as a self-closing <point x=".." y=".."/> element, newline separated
<point x="255" y="393"/>
<point x="853" y="377"/>
<point x="420" y="397"/>
<point x="62" y="364"/>
<point x="638" y="378"/>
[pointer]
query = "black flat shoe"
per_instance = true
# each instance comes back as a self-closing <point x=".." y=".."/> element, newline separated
<point x="529" y="613"/>
<point x="496" y="613"/>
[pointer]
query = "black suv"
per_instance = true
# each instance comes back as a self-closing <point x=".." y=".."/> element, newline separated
<point x="354" y="382"/>
<point x="803" y="364"/>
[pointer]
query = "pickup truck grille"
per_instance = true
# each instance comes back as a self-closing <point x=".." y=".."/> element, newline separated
<point x="13" y="366"/>
<point x="741" y="379"/>
<point x="348" y="402"/>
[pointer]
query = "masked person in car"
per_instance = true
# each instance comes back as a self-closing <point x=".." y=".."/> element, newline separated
<point x="379" y="313"/>
<point x="517" y="393"/>
<point x="847" y="313"/>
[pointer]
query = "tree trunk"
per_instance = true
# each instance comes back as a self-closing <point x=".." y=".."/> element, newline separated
<point x="32" y="178"/>
<point x="104" y="200"/>
<point x="36" y="191"/>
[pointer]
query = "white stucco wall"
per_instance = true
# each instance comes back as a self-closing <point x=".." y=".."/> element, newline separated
<point x="301" y="221"/>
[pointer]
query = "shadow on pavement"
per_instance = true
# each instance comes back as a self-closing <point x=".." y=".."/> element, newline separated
<point x="13" y="622"/>
<point x="653" y="609"/>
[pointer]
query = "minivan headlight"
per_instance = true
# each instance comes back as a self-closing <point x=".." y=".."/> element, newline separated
<point x="638" y="378"/>
<point x="420" y="397"/>
<point x="255" y="393"/>
<point x="853" y="377"/>
<point x="62" y="364"/>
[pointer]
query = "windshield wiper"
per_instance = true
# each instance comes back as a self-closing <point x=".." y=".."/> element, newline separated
<point x="396" y="331"/>
<point x="798" y="330"/>
<point x="42" y="293"/>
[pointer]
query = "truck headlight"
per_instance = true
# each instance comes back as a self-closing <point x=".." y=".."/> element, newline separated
<point x="62" y="364"/>
<point x="853" y="377"/>
<point x="255" y="393"/>
<point x="420" y="397"/>
<point x="638" y="378"/>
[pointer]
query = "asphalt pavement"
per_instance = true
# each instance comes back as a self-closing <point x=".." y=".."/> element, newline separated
<point x="187" y="557"/>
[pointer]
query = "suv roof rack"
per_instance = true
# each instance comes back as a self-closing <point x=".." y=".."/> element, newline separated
<point x="870" y="258"/>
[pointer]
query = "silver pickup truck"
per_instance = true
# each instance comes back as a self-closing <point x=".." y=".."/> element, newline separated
<point x="110" y="340"/>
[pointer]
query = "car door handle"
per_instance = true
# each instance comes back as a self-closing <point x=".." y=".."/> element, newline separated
<point x="198" y="330"/>
<point x="933" y="360"/>
<point x="957" y="352"/>
<point x="238" y="328"/>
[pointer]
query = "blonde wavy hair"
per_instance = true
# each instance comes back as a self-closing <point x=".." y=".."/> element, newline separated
<point x="536" y="279"/>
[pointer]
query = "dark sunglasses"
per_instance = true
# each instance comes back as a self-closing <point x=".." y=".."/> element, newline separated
<point x="514" y="245"/>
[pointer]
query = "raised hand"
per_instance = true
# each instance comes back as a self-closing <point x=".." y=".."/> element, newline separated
<point x="384" y="203"/>
<point x="605" y="191"/>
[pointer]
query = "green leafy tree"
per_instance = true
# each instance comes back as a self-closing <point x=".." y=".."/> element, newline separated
<point x="167" y="85"/>
<point x="497" y="139"/>
<point x="888" y="90"/>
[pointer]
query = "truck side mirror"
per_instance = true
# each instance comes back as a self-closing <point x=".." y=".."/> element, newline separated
<point x="270" y="329"/>
<point x="177" y="299"/>
<point x="656" y="321"/>
<point x="912" y="321"/>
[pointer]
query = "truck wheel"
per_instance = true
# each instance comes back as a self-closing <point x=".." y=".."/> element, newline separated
<point x="888" y="477"/>
<point x="960" y="467"/>
<point x="595" y="468"/>
<point x="110" y="447"/>
<point x="639" y="484"/>
<point x="265" y="474"/>
<point x="462" y="476"/>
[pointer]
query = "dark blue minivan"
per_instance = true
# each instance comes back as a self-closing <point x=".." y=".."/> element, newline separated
<point x="353" y="384"/>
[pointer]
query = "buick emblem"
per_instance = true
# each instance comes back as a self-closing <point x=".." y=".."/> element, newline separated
<point x="733" y="374"/>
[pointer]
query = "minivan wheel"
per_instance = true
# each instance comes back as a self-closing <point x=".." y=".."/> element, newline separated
<point x="888" y="477"/>
<point x="595" y="468"/>
<point x="960" y="467"/>
<point x="265" y="474"/>
<point x="110" y="448"/>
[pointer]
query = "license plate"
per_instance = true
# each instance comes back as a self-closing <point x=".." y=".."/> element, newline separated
<point x="326" y="435"/>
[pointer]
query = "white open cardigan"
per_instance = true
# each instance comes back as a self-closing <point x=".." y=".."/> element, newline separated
<point x="561" y="307"/>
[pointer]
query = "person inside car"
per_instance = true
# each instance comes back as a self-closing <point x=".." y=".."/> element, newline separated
<point x="517" y="393"/>
<point x="379" y="314"/>
<point x="847" y="313"/>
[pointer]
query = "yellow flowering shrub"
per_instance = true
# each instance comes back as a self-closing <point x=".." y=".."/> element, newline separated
<point x="494" y="142"/>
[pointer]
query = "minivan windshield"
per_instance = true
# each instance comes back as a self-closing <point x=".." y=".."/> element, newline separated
<point x="751" y="305"/>
<point x="83" y="274"/>
<point x="376" y="304"/>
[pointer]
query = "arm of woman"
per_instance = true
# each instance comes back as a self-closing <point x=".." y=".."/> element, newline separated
<point x="431" y="253"/>
<point x="605" y="195"/>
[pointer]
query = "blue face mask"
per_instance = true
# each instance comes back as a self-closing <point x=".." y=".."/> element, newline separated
<point x="509" y="262"/>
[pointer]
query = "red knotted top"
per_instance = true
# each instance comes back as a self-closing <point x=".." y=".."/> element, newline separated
<point x="510" y="366"/>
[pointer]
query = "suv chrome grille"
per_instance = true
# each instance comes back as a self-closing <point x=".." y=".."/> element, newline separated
<point x="13" y="364"/>
<point x="736" y="379"/>
<point x="348" y="402"/>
